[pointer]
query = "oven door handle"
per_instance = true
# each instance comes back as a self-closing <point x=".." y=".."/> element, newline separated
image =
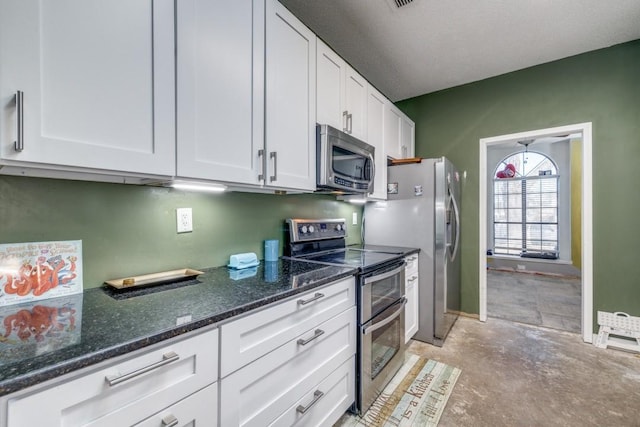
<point x="384" y="275"/>
<point x="368" y="327"/>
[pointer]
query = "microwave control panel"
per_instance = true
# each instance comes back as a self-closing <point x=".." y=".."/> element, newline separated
<point x="305" y="230"/>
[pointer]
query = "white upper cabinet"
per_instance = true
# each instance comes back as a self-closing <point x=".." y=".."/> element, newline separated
<point x="375" y="129"/>
<point x="399" y="133"/>
<point x="220" y="92"/>
<point x="342" y="94"/>
<point x="290" y="99"/>
<point x="97" y="84"/>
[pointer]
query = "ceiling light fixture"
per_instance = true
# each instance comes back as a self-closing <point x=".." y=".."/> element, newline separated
<point x="526" y="143"/>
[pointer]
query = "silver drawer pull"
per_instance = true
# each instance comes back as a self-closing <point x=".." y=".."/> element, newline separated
<point x="166" y="359"/>
<point x="169" y="421"/>
<point x="317" y="296"/>
<point x="317" y="395"/>
<point x="316" y="334"/>
<point x="18" y="145"/>
<point x="413" y="278"/>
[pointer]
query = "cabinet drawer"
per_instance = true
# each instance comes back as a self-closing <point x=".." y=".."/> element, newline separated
<point x="337" y="395"/>
<point x="246" y="339"/>
<point x="262" y="391"/>
<point x="200" y="408"/>
<point x="141" y="385"/>
<point x="412" y="265"/>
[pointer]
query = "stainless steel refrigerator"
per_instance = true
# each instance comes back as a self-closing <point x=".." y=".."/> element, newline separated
<point x="423" y="211"/>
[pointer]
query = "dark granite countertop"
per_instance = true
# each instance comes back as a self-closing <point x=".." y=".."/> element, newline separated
<point x="103" y="322"/>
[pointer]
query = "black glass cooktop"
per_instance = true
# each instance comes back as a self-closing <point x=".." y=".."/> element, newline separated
<point x="363" y="259"/>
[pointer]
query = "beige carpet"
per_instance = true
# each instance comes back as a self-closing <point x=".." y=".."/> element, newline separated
<point x="416" y="396"/>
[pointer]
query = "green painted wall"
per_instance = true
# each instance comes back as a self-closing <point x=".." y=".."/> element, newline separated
<point x="128" y="230"/>
<point x="602" y="87"/>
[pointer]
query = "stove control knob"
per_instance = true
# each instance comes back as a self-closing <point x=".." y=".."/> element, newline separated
<point x="311" y="229"/>
<point x="338" y="227"/>
<point x="303" y="229"/>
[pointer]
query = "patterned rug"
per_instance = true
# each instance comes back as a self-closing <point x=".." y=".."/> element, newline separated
<point x="416" y="396"/>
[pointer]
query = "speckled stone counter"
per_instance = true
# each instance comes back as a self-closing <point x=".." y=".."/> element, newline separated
<point x="108" y="322"/>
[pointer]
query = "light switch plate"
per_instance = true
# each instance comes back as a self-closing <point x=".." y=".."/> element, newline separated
<point x="184" y="220"/>
<point x="354" y="218"/>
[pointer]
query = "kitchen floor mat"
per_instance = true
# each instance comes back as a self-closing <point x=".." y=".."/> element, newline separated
<point x="416" y="396"/>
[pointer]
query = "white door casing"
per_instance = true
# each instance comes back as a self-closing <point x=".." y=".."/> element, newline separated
<point x="587" y="215"/>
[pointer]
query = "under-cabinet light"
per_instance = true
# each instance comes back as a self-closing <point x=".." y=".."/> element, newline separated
<point x="199" y="186"/>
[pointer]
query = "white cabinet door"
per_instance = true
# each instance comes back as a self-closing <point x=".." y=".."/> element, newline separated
<point x="219" y="130"/>
<point x="341" y="94"/>
<point x="97" y="80"/>
<point x="375" y="132"/>
<point x="407" y="137"/>
<point x="330" y="90"/>
<point x="290" y="67"/>
<point x="399" y="133"/>
<point x="412" y="291"/>
<point x="356" y="104"/>
<point x="392" y="129"/>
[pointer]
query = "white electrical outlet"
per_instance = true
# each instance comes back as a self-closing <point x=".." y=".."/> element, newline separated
<point x="354" y="218"/>
<point x="521" y="267"/>
<point x="184" y="220"/>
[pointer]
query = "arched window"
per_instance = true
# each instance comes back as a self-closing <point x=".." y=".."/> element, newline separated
<point x="525" y="206"/>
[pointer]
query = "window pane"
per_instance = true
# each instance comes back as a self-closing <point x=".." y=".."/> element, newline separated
<point x="515" y="215"/>
<point x="500" y="231"/>
<point x="533" y="215"/>
<point x="515" y="201"/>
<point x="549" y="232"/>
<point x="549" y="200"/>
<point x="548" y="215"/>
<point x="515" y="231"/>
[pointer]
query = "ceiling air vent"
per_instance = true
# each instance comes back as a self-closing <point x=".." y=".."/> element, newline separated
<point x="401" y="3"/>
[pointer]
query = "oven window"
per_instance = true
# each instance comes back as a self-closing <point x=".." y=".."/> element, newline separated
<point x="385" y="343"/>
<point x="386" y="291"/>
<point x="350" y="164"/>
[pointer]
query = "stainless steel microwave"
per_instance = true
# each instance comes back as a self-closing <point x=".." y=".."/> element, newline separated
<point x="343" y="163"/>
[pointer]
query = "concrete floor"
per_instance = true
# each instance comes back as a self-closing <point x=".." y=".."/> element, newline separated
<point x="522" y="375"/>
<point x="534" y="299"/>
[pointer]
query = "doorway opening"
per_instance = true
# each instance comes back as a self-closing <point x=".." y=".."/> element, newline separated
<point x="513" y="241"/>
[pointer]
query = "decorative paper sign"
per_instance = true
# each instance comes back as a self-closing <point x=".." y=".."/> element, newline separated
<point x="39" y="270"/>
<point x="39" y="327"/>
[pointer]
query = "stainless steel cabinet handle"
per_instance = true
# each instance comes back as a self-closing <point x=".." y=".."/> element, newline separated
<point x="350" y="122"/>
<point x="370" y="327"/>
<point x="316" y="334"/>
<point x="345" y="121"/>
<point x="273" y="155"/>
<point x="169" y="421"/>
<point x="166" y="359"/>
<point x="413" y="278"/>
<point x="261" y="156"/>
<point x="317" y="395"/>
<point x="18" y="145"/>
<point x="384" y="275"/>
<point x="317" y="296"/>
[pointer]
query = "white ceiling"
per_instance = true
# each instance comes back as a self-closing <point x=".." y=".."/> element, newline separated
<point x="431" y="45"/>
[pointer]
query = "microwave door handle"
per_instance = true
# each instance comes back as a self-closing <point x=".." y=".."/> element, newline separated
<point x="384" y="275"/>
<point x="368" y="327"/>
<point x="373" y="169"/>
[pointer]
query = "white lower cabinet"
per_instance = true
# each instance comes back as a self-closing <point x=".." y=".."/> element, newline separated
<point x="126" y="392"/>
<point x="412" y="289"/>
<point x="261" y="392"/>
<point x="292" y="363"/>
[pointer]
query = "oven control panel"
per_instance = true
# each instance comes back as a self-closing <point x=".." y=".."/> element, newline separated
<point x="305" y="230"/>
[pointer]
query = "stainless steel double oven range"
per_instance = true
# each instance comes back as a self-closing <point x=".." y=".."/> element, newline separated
<point x="380" y="293"/>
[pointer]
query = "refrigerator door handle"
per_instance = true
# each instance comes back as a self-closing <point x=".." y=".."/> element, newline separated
<point x="454" y="252"/>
